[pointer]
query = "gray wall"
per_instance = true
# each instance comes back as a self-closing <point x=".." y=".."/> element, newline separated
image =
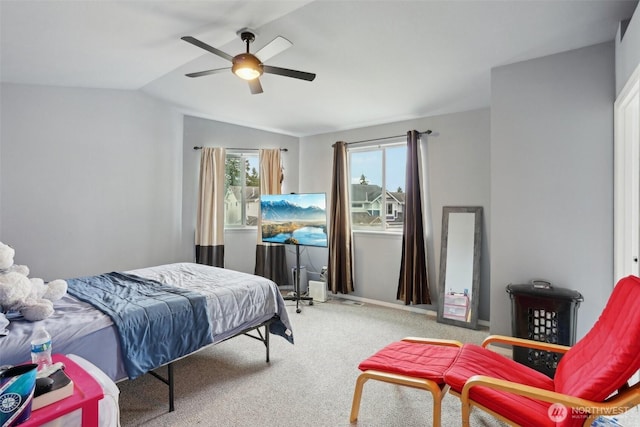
<point x="97" y="180"/>
<point x="628" y="51"/>
<point x="457" y="160"/>
<point x="90" y="179"/>
<point x="552" y="178"/>
<point x="240" y="244"/>
<point x="458" y="164"/>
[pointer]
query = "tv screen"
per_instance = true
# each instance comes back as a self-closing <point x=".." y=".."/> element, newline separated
<point x="295" y="219"/>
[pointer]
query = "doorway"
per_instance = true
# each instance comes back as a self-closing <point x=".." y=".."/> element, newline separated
<point x="627" y="179"/>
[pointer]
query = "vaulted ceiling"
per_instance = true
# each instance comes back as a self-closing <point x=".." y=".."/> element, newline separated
<point x="376" y="61"/>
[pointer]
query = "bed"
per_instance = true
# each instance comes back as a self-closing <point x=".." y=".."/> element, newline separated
<point x="227" y="303"/>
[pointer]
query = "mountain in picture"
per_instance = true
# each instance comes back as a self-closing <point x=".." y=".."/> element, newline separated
<point x="283" y="210"/>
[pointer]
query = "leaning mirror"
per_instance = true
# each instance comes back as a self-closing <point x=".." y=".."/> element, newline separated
<point x="459" y="280"/>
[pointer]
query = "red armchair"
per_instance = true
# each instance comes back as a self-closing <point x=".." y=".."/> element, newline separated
<point x="590" y="380"/>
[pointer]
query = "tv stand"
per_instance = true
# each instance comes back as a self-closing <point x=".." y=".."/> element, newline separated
<point x="296" y="286"/>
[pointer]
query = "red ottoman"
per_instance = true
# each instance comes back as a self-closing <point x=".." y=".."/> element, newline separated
<point x="413" y="362"/>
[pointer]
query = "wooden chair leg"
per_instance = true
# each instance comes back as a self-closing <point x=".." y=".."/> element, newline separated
<point x="466" y="413"/>
<point x="421" y="383"/>
<point x="357" y="397"/>
<point x="437" y="404"/>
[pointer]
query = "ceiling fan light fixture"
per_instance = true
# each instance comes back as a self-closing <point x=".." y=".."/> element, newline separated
<point x="247" y="66"/>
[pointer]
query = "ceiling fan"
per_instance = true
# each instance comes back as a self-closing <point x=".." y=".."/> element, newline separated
<point x="249" y="66"/>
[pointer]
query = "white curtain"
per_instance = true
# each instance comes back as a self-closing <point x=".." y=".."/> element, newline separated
<point x="270" y="257"/>
<point x="209" y="237"/>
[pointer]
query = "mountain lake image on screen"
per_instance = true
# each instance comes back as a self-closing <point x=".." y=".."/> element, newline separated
<point x="294" y="219"/>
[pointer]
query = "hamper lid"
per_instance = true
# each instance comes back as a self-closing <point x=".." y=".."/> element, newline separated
<point x="545" y="290"/>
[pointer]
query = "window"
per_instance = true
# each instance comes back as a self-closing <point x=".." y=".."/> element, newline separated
<point x="377" y="182"/>
<point x="241" y="190"/>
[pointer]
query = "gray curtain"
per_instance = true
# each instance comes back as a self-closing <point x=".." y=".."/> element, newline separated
<point x="209" y="238"/>
<point x="340" y="275"/>
<point x="413" y="285"/>
<point x="271" y="259"/>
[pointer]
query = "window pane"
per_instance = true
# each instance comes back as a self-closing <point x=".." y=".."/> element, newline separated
<point x="395" y="170"/>
<point x="242" y="190"/>
<point x="233" y="190"/>
<point x="252" y="192"/>
<point x="366" y="188"/>
<point x="372" y="170"/>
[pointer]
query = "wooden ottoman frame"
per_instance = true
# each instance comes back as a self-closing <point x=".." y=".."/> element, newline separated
<point x="436" y="386"/>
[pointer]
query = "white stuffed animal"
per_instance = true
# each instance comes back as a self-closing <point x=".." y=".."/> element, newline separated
<point x="30" y="296"/>
<point x="6" y="256"/>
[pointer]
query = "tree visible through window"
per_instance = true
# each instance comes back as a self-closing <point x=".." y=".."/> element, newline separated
<point x="242" y="190"/>
<point x="377" y="182"/>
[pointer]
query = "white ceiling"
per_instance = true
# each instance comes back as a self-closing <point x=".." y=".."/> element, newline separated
<point x="376" y="61"/>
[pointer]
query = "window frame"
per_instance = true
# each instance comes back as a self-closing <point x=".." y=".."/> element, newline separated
<point x="384" y="226"/>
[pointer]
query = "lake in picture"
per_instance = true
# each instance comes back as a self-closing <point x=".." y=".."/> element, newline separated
<point x="307" y="236"/>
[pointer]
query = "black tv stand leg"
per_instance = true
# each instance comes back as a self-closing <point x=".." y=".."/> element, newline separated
<point x="296" y="286"/>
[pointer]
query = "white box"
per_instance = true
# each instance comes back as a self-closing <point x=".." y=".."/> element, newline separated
<point x="318" y="290"/>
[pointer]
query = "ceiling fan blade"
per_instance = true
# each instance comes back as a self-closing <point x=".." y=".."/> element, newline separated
<point x="255" y="86"/>
<point x="274" y="47"/>
<point x="207" y="72"/>
<point x="289" y="73"/>
<point x="205" y="46"/>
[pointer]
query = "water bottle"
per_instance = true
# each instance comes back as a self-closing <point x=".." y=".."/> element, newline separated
<point x="41" y="348"/>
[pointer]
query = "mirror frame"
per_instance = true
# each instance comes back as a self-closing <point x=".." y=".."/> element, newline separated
<point x="477" y="249"/>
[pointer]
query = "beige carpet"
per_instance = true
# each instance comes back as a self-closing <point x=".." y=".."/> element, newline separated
<point x="306" y="384"/>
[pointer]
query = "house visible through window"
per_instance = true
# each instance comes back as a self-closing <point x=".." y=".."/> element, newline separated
<point x="242" y="189"/>
<point x="377" y="186"/>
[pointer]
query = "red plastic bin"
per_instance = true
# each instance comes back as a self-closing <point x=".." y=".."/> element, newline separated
<point x="86" y="395"/>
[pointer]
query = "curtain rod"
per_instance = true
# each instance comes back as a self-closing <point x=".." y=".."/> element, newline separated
<point x="426" y="132"/>
<point x="240" y="149"/>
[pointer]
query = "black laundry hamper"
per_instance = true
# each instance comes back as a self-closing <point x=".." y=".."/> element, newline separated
<point x="542" y="312"/>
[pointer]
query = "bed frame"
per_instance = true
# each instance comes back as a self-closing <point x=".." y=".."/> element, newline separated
<point x="14" y="347"/>
<point x="264" y="338"/>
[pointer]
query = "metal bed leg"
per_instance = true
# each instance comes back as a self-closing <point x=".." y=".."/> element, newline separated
<point x="266" y="339"/>
<point x="171" y="395"/>
<point x="168" y="381"/>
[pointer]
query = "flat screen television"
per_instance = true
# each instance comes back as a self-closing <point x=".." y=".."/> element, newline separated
<point x="295" y="219"/>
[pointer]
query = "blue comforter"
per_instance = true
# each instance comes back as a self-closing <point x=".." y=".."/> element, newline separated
<point x="156" y="323"/>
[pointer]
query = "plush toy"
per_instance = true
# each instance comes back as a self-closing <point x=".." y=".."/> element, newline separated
<point x="29" y="296"/>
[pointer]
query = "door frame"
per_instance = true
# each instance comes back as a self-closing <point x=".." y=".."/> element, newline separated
<point x="626" y="208"/>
